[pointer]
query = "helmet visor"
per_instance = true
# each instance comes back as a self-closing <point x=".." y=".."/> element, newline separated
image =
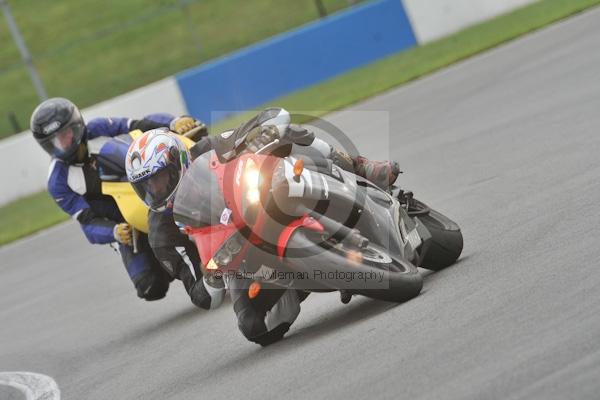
<point x="158" y="189"/>
<point x="64" y="142"/>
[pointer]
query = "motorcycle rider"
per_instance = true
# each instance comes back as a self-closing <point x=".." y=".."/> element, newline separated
<point x="74" y="181"/>
<point x="267" y="317"/>
<point x="155" y="163"/>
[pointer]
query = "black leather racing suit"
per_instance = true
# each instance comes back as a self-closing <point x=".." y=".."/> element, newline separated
<point x="179" y="257"/>
<point x="267" y="317"/>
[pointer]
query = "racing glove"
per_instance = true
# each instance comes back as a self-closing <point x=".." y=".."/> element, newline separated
<point x="185" y="123"/>
<point x="123" y="234"/>
<point x="261" y="136"/>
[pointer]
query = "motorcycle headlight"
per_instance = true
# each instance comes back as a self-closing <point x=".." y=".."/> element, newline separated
<point x="223" y="257"/>
<point x="234" y="245"/>
<point x="226" y="253"/>
<point x="252" y="180"/>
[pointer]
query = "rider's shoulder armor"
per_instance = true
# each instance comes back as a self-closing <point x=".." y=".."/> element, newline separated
<point x="107" y="127"/>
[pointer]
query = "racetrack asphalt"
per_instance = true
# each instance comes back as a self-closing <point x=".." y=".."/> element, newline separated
<point x="505" y="143"/>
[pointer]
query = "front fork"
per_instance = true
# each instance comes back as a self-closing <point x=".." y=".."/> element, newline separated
<point x="412" y="209"/>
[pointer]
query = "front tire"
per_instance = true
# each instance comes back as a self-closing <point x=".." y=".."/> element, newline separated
<point x="446" y="242"/>
<point x="306" y="253"/>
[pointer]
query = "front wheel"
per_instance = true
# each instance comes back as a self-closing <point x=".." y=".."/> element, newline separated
<point x="395" y="280"/>
<point x="446" y="242"/>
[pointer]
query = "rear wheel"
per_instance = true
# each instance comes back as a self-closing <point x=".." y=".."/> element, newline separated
<point x="389" y="279"/>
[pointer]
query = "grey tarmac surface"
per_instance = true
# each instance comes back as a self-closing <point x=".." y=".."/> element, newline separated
<point x="506" y="143"/>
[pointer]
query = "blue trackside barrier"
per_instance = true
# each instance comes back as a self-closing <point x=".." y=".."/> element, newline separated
<point x="297" y="59"/>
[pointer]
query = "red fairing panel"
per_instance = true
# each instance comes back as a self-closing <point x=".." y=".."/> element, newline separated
<point x="288" y="231"/>
<point x="210" y="239"/>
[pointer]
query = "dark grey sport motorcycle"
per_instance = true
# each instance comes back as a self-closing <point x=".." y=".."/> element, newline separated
<point x="287" y="218"/>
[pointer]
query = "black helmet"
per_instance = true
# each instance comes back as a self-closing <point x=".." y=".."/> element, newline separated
<point x="58" y="127"/>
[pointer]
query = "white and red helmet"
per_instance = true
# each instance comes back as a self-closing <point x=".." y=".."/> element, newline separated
<point x="155" y="163"/>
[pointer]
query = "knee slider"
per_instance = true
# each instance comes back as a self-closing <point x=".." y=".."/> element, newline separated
<point x="151" y="286"/>
<point x="273" y="335"/>
<point x="251" y="325"/>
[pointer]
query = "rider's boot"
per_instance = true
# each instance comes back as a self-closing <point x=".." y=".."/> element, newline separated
<point x="381" y="173"/>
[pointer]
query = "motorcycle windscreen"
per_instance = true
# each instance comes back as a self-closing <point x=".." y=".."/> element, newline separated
<point x="199" y="200"/>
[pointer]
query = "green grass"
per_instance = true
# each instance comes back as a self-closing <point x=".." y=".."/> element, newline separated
<point x="38" y="211"/>
<point x="28" y="215"/>
<point x="403" y="67"/>
<point x="92" y="50"/>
